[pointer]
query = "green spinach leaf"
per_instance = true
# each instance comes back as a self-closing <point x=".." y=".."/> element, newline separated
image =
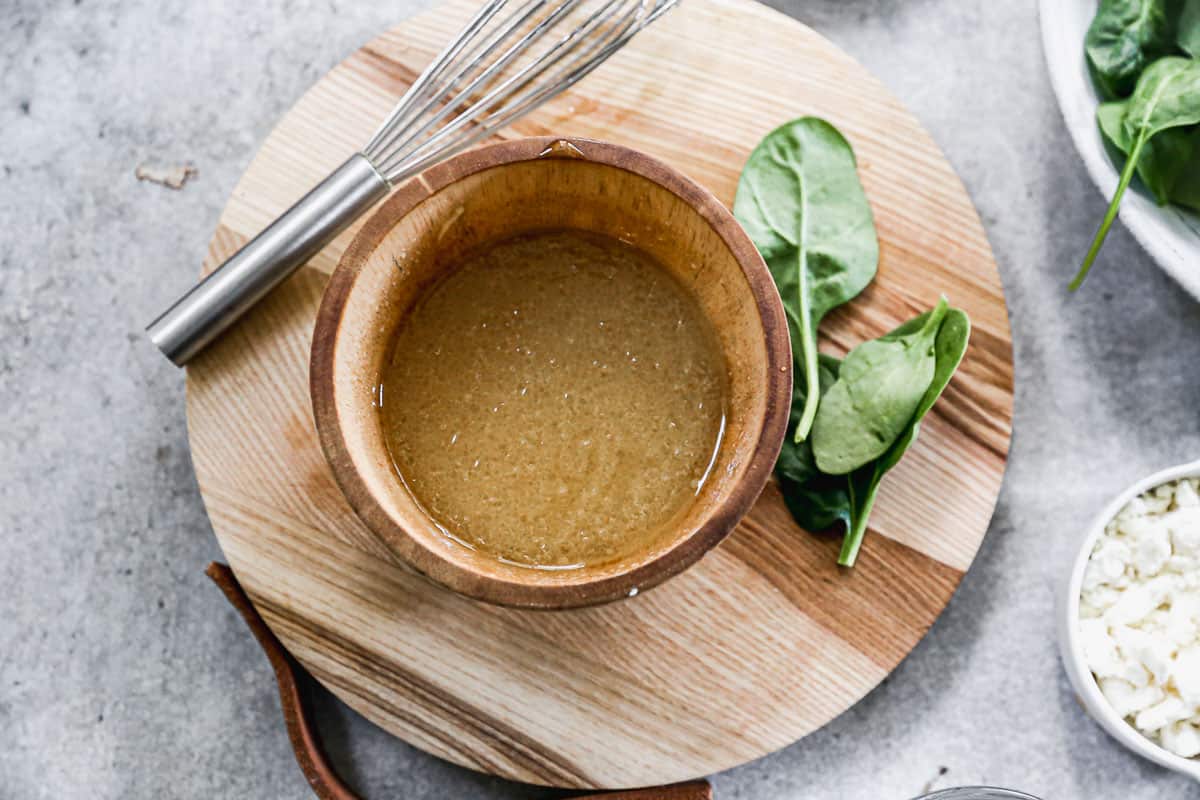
<point x="1186" y="191"/>
<point x="1170" y="160"/>
<point x="949" y="349"/>
<point x="1124" y="37"/>
<point x="863" y="484"/>
<point x="816" y="506"/>
<point x="818" y="500"/>
<point x="796" y="461"/>
<point x="1167" y="96"/>
<point x="800" y="200"/>
<point x="1189" y="28"/>
<point x="878" y="390"/>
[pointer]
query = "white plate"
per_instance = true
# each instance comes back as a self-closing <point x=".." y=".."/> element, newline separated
<point x="1170" y="235"/>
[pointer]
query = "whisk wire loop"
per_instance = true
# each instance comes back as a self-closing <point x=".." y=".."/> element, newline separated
<point x="401" y="124"/>
<point x="499" y="68"/>
<point x="424" y="81"/>
<point x="414" y="149"/>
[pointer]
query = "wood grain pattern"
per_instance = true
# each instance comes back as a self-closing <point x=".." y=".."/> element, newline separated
<point x="762" y="641"/>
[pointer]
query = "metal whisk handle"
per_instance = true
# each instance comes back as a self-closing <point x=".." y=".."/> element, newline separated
<point x="229" y="291"/>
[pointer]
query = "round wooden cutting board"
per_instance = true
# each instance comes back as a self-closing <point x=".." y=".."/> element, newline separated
<point x="764" y="640"/>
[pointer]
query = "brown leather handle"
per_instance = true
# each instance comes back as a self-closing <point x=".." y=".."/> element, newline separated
<point x="306" y="742"/>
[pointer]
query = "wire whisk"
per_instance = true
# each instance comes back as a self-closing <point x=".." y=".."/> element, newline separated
<point x="510" y="58"/>
<point x="492" y="95"/>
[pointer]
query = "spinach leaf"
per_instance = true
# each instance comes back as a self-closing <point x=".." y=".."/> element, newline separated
<point x="949" y="349"/>
<point x="1170" y="162"/>
<point x="800" y="200"/>
<point x="796" y="461"/>
<point x="817" y="505"/>
<point x="1125" y="36"/>
<point x="818" y="500"/>
<point x="1167" y="96"/>
<point x="879" y="387"/>
<point x="1186" y="191"/>
<point x="863" y="483"/>
<point x="1188" y="36"/>
<point x="862" y="486"/>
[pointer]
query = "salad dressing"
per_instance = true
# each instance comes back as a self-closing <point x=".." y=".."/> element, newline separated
<point x="556" y="401"/>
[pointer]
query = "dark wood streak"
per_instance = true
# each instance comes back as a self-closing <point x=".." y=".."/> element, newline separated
<point x="968" y="414"/>
<point x="998" y="348"/>
<point x="383" y="71"/>
<point x="542" y="765"/>
<point x="978" y="401"/>
<point x="882" y="607"/>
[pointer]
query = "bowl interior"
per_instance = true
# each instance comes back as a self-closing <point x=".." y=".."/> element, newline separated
<point x="404" y="248"/>
<point x="1080" y="676"/>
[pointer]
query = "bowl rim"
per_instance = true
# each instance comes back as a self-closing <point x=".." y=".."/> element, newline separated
<point x="1087" y="690"/>
<point x="490" y="588"/>
<point x="976" y="793"/>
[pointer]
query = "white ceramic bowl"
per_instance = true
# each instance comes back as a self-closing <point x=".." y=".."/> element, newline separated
<point x="1086" y="688"/>
<point x="1171" y="235"/>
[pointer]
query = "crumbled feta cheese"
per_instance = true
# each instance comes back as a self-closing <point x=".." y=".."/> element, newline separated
<point x="1185" y="673"/>
<point x="1139" y="610"/>
<point x="1136" y="602"/>
<point x="1127" y="699"/>
<point x="1186" y="496"/>
<point x="1183" y="565"/>
<point x="1095" y="602"/>
<point x="1135" y="508"/>
<point x="1185" y="607"/>
<point x="1153" y="550"/>
<point x="1184" y="525"/>
<point x="1147" y="649"/>
<point x="1159" y="716"/>
<point x="1099" y="649"/>
<point x="1107" y="563"/>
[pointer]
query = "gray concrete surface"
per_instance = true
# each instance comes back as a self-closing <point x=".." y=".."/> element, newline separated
<point x="122" y="672"/>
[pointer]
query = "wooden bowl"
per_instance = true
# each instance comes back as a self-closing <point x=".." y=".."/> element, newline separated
<point x="527" y="185"/>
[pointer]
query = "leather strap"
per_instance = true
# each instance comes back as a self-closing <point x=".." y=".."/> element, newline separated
<point x="306" y="741"/>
